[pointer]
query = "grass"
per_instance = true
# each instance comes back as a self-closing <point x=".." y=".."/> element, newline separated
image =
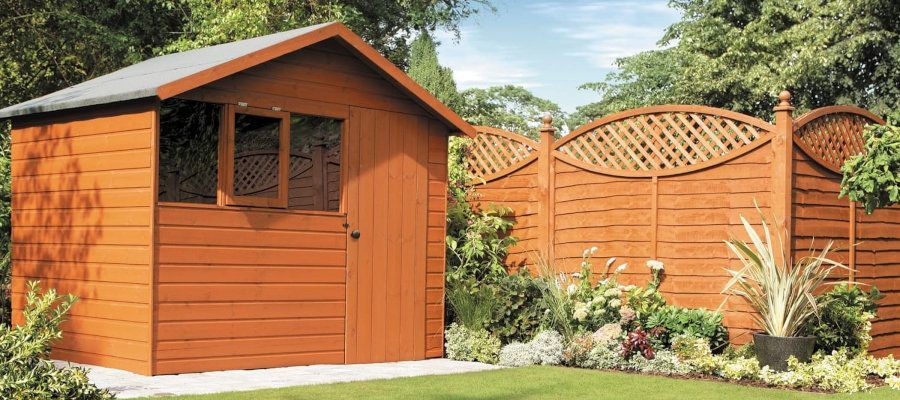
<point x="535" y="383"/>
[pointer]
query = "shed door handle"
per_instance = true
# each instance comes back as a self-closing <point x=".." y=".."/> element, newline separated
<point x="354" y="234"/>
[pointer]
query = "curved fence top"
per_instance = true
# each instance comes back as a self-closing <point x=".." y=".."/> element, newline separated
<point x="662" y="140"/>
<point x="496" y="152"/>
<point x="831" y="135"/>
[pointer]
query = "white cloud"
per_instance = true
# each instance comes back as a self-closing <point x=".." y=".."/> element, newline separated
<point x="605" y="31"/>
<point x="479" y="62"/>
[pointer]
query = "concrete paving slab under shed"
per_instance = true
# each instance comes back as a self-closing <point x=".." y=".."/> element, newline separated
<point x="130" y="385"/>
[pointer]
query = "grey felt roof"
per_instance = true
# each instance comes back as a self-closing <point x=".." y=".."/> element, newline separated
<point x="144" y="78"/>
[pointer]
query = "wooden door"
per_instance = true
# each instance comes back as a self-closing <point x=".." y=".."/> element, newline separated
<point x="386" y="203"/>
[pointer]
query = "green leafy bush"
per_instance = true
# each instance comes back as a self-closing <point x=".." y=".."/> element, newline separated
<point x="697" y="323"/>
<point x="844" y="320"/>
<point x="464" y="344"/>
<point x="872" y="178"/>
<point x="518" y="310"/>
<point x="25" y="371"/>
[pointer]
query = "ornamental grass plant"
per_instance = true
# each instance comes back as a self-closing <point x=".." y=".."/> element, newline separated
<point x="783" y="296"/>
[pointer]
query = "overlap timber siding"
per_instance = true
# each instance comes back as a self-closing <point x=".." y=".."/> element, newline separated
<point x="82" y="201"/>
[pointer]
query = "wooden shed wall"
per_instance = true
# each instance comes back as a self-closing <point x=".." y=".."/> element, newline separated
<point x="82" y="205"/>
<point x="878" y="262"/>
<point x="242" y="288"/>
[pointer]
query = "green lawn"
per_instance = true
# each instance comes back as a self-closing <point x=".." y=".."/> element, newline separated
<point x="536" y="383"/>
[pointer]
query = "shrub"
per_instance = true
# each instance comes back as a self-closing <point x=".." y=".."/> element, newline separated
<point x="663" y="362"/>
<point x="577" y="349"/>
<point x="844" y="320"/>
<point x="608" y="333"/>
<point x="604" y="356"/>
<point x="871" y="177"/>
<point x="518" y="310"/>
<point x="464" y="344"/>
<point x="637" y="341"/>
<point x="548" y="347"/>
<point x="517" y="354"/>
<point x="689" y="348"/>
<point x="25" y="371"/>
<point x="698" y="323"/>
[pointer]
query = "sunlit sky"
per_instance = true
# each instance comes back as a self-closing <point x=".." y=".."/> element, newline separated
<point x="552" y="47"/>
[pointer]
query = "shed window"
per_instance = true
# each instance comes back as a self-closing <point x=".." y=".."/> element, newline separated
<point x="258" y="158"/>
<point x="315" y="163"/>
<point x="188" y="151"/>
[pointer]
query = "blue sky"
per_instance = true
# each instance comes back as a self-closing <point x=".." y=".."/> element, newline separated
<point x="552" y="47"/>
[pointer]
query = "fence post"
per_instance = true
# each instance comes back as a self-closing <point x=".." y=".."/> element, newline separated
<point x="546" y="176"/>
<point x="783" y="170"/>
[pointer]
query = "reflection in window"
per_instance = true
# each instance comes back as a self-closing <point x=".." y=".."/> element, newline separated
<point x="256" y="146"/>
<point x="314" y="180"/>
<point x="188" y="151"/>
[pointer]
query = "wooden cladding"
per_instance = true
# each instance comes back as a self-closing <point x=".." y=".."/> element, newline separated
<point x="82" y="195"/>
<point x="671" y="182"/>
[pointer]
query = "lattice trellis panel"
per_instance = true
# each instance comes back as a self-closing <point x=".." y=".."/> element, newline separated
<point x="491" y="154"/>
<point x="834" y="137"/>
<point x="664" y="140"/>
<point x="256" y="172"/>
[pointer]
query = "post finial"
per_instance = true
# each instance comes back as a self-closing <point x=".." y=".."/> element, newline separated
<point x="784" y="101"/>
<point x="547" y="121"/>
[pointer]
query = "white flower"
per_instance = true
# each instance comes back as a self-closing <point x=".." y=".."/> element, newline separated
<point x="571" y="289"/>
<point x="593" y="250"/>
<point x="621" y="268"/>
<point x="576" y="275"/>
<point x="584" y="264"/>
<point x="615" y="303"/>
<point x="629" y="288"/>
<point x="655" y="265"/>
<point x="612" y="292"/>
<point x="603" y="282"/>
<point x="610" y="262"/>
<point x="586" y="253"/>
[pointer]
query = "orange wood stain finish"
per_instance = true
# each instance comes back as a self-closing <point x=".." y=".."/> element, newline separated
<point x="671" y="182"/>
<point x="174" y="287"/>
<point x="83" y="199"/>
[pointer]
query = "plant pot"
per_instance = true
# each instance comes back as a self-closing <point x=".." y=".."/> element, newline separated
<point x="774" y="351"/>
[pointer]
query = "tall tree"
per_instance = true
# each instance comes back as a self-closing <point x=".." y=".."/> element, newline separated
<point x="509" y="107"/>
<point x="738" y="54"/>
<point x="425" y="69"/>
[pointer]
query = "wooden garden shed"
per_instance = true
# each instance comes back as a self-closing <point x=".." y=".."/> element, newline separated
<point x="269" y="202"/>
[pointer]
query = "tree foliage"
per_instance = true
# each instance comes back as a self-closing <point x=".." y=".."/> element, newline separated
<point x="873" y="178"/>
<point x="509" y="107"/>
<point x="425" y="69"/>
<point x="738" y="54"/>
<point x="385" y="24"/>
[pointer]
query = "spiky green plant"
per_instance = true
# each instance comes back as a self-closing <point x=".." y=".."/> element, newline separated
<point x="472" y="306"/>
<point x="782" y="296"/>
<point x="554" y="286"/>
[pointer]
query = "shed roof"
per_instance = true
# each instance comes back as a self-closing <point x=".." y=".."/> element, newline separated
<point x="169" y="75"/>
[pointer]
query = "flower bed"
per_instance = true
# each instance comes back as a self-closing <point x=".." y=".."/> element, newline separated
<point x="596" y="323"/>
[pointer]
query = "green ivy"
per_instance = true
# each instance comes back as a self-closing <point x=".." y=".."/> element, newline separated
<point x="873" y="178"/>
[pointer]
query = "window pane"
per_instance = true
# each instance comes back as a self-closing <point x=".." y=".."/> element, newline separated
<point x="188" y="151"/>
<point x="256" y="145"/>
<point x="314" y="180"/>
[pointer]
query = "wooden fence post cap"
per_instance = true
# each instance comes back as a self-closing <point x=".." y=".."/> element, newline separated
<point x="547" y="121"/>
<point x="784" y="101"/>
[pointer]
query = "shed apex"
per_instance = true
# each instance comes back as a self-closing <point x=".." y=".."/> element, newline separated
<point x="172" y="74"/>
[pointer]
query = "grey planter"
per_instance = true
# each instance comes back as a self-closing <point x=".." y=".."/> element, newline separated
<point x="774" y="351"/>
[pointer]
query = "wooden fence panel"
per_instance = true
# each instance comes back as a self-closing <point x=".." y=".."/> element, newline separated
<point x="671" y="183"/>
